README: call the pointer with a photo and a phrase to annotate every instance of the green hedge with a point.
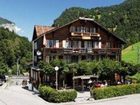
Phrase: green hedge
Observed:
(113, 91)
(57, 96)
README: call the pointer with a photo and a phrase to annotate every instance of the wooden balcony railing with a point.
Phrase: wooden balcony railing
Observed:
(84, 34)
(94, 51)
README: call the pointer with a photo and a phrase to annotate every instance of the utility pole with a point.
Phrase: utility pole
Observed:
(17, 70)
(17, 67)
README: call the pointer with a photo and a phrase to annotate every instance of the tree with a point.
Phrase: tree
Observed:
(3, 69)
(12, 47)
(46, 67)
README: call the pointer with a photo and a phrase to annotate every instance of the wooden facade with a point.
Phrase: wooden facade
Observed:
(81, 39)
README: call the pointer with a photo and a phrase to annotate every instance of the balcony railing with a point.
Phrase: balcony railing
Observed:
(94, 51)
(84, 34)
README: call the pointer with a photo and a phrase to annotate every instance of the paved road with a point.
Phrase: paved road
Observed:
(123, 100)
(16, 95)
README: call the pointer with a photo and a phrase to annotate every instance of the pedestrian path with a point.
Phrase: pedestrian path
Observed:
(83, 96)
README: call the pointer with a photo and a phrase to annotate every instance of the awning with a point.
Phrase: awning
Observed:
(85, 77)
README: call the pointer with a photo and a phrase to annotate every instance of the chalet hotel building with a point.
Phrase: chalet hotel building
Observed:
(81, 39)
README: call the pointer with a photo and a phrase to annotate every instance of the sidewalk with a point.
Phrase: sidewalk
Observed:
(83, 97)
(4, 85)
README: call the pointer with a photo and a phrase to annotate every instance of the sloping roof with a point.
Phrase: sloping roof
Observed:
(42, 29)
(88, 19)
(39, 30)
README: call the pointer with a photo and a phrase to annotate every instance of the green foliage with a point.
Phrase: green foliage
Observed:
(67, 15)
(3, 68)
(87, 67)
(135, 77)
(53, 95)
(108, 68)
(13, 47)
(131, 54)
(105, 68)
(45, 91)
(73, 67)
(113, 91)
(82, 68)
(46, 67)
(121, 19)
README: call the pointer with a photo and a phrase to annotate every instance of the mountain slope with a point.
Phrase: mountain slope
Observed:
(131, 54)
(13, 47)
(4, 21)
(123, 19)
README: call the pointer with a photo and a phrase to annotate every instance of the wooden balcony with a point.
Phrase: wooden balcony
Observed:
(84, 34)
(83, 51)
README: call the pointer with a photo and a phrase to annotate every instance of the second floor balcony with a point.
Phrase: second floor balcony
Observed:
(92, 51)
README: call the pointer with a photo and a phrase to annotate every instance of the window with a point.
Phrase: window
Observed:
(87, 29)
(35, 45)
(78, 29)
(74, 58)
(96, 44)
(72, 29)
(92, 30)
(57, 43)
(35, 58)
(65, 44)
(53, 43)
(87, 44)
(82, 29)
(108, 45)
(67, 58)
(76, 44)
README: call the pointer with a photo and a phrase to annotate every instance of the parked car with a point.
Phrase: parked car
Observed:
(3, 78)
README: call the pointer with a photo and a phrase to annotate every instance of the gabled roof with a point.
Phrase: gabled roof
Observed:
(39, 30)
(87, 19)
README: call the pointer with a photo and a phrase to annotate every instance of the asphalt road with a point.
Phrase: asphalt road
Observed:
(15, 95)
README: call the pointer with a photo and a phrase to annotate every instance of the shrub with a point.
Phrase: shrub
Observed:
(53, 95)
(113, 91)
(45, 91)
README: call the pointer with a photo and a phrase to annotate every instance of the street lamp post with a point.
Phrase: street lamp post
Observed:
(56, 69)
